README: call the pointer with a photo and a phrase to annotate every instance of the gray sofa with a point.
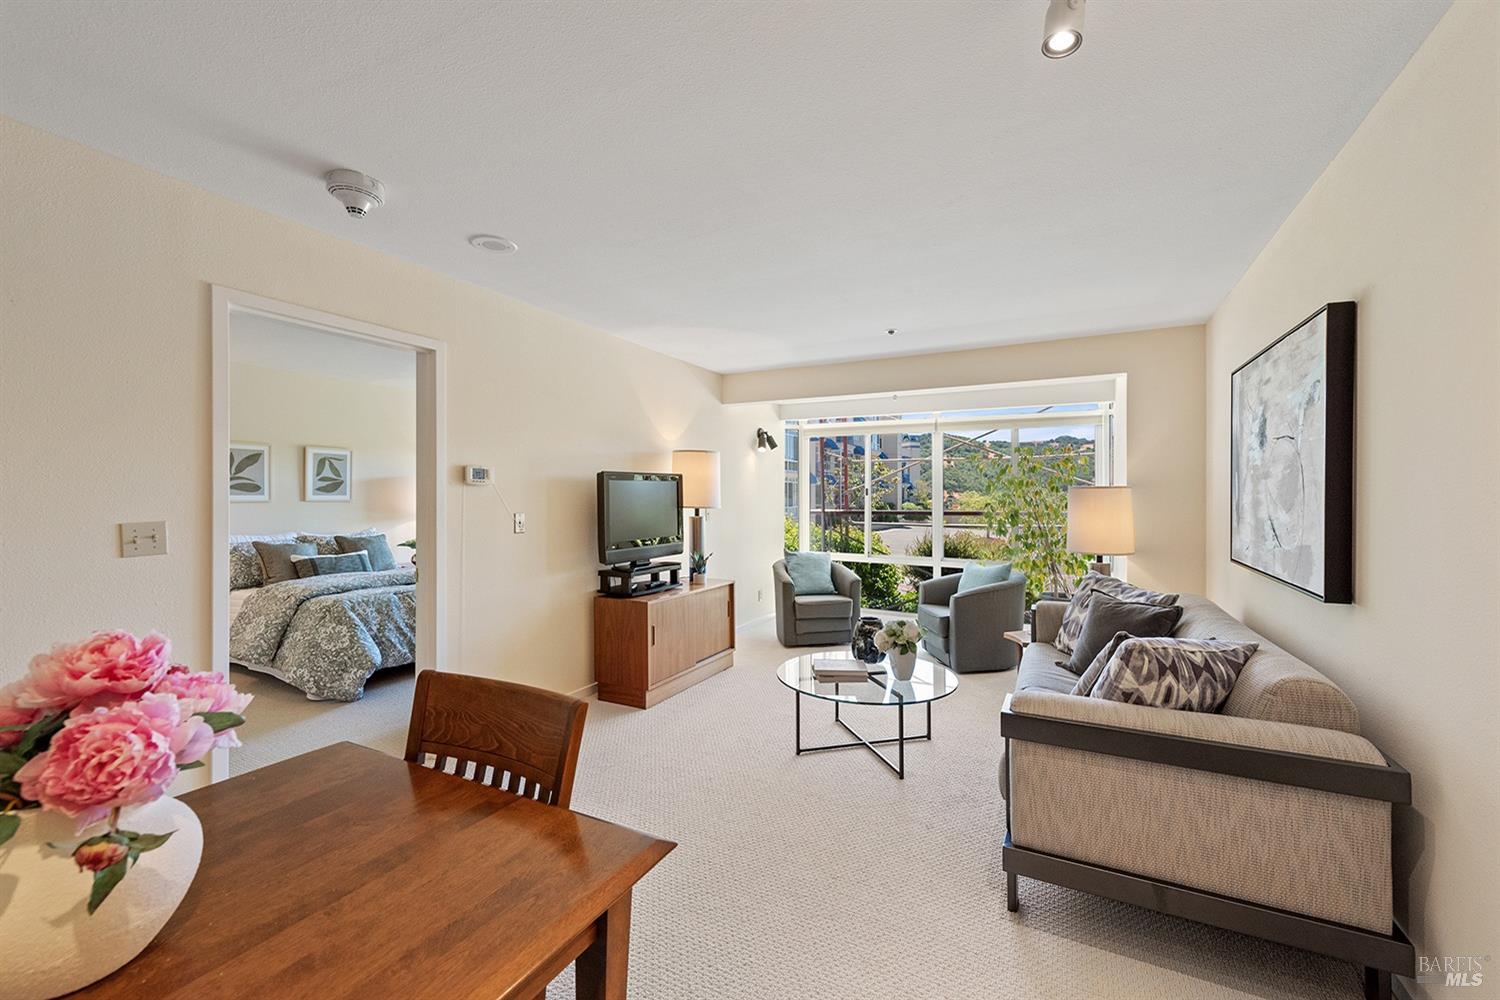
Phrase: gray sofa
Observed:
(967, 631)
(816, 620)
(1270, 817)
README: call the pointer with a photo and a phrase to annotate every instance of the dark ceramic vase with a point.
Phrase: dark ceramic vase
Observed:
(863, 645)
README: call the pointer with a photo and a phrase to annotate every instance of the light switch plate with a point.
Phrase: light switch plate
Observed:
(143, 538)
(519, 523)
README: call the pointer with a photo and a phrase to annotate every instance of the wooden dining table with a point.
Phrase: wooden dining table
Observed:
(349, 873)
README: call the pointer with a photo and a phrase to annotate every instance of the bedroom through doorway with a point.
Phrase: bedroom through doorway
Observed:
(327, 458)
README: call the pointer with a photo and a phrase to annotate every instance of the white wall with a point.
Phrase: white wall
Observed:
(105, 406)
(289, 410)
(1405, 221)
(1163, 427)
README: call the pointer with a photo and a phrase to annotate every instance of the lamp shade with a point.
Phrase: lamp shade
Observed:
(1100, 520)
(700, 477)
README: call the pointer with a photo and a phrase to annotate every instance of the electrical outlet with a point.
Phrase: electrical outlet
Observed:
(143, 538)
(519, 522)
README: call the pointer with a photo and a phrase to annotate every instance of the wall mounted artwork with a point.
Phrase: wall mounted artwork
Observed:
(249, 472)
(327, 474)
(1291, 476)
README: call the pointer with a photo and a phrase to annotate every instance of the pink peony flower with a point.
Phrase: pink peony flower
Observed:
(11, 714)
(205, 691)
(99, 670)
(114, 757)
(97, 857)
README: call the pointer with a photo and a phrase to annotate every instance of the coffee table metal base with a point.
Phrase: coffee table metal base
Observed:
(900, 739)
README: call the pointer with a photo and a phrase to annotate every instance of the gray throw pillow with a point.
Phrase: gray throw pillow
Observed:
(1108, 616)
(1191, 675)
(1085, 685)
(811, 573)
(976, 575)
(374, 546)
(1078, 607)
(349, 562)
(276, 558)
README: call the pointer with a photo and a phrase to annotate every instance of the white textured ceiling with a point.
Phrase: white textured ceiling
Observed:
(750, 184)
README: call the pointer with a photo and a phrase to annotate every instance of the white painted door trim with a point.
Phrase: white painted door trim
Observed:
(432, 464)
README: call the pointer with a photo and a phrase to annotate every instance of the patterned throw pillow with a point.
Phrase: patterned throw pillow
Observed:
(1192, 675)
(328, 545)
(1078, 607)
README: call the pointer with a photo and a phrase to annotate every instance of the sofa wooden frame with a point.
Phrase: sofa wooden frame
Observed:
(1380, 955)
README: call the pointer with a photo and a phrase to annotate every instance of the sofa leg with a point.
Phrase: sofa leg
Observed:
(1377, 984)
(1012, 897)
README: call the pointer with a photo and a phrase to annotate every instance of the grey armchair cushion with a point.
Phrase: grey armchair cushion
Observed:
(822, 606)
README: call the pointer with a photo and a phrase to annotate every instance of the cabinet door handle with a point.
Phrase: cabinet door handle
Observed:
(653, 635)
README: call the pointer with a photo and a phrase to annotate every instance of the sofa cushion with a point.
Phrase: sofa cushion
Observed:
(1078, 607)
(823, 606)
(811, 573)
(934, 618)
(1190, 675)
(1275, 685)
(1039, 670)
(976, 575)
(1108, 616)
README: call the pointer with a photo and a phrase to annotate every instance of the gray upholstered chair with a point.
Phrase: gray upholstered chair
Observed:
(820, 619)
(967, 631)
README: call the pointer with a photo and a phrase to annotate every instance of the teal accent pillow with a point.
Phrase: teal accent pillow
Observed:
(811, 573)
(348, 562)
(374, 546)
(978, 575)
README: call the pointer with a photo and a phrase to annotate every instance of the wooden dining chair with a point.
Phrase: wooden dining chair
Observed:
(520, 739)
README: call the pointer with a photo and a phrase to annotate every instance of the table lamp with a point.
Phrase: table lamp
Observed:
(700, 491)
(1100, 523)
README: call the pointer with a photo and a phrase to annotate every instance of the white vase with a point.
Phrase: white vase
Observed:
(902, 664)
(52, 944)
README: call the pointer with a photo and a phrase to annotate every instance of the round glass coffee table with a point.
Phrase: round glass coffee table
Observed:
(930, 681)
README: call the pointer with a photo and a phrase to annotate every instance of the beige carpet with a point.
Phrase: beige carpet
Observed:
(824, 877)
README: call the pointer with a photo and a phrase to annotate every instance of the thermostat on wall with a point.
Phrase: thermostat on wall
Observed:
(477, 475)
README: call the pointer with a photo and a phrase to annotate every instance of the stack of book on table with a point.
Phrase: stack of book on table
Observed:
(829, 671)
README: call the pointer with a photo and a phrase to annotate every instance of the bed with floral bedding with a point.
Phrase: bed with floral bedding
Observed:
(327, 634)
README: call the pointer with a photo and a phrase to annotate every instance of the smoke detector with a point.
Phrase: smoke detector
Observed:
(494, 244)
(360, 194)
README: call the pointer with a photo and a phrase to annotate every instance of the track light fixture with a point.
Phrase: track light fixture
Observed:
(763, 440)
(1062, 34)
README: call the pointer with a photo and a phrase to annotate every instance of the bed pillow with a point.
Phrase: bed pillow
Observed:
(1108, 616)
(1191, 675)
(276, 559)
(245, 569)
(348, 562)
(374, 546)
(328, 545)
(1078, 607)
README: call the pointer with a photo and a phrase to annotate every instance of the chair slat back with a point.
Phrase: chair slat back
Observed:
(516, 738)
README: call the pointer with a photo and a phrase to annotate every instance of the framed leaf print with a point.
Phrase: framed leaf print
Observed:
(249, 472)
(327, 474)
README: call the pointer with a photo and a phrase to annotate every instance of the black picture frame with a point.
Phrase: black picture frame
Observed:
(1338, 454)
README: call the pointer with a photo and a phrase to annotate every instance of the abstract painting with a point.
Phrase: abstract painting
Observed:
(327, 474)
(249, 472)
(1291, 476)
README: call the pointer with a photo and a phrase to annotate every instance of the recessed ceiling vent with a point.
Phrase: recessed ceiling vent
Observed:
(494, 244)
(360, 194)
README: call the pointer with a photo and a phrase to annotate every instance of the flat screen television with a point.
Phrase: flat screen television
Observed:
(640, 516)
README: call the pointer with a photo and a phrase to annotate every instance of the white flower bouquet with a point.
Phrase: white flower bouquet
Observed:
(902, 636)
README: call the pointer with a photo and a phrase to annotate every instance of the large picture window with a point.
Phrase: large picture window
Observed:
(900, 498)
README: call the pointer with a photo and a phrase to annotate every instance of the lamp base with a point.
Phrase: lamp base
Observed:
(694, 538)
(1102, 567)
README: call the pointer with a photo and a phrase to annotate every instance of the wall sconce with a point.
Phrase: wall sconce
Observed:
(763, 440)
